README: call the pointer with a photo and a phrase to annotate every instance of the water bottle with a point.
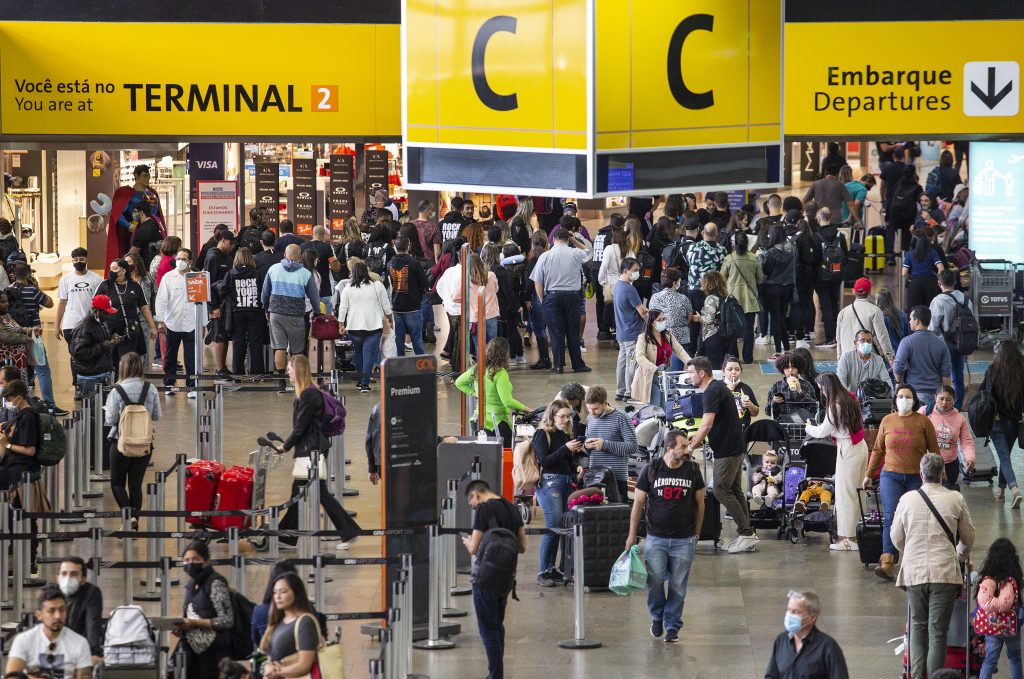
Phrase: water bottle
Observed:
(481, 436)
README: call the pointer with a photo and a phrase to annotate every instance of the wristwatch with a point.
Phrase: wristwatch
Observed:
(9, 446)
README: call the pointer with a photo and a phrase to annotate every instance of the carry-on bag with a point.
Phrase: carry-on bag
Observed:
(234, 491)
(605, 528)
(869, 529)
(201, 479)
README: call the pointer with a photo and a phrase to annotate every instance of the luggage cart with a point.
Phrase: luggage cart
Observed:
(792, 416)
(262, 460)
(992, 284)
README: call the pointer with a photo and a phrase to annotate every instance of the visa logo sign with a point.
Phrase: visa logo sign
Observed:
(206, 164)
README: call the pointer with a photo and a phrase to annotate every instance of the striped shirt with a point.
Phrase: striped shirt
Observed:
(619, 442)
(33, 298)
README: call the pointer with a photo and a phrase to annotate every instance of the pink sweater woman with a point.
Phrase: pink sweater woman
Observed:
(953, 432)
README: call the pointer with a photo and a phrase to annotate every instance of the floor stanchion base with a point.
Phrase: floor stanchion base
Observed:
(350, 492)
(453, 613)
(145, 596)
(461, 591)
(420, 631)
(92, 494)
(579, 644)
(98, 478)
(433, 645)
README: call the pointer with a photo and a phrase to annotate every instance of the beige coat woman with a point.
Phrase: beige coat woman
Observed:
(646, 354)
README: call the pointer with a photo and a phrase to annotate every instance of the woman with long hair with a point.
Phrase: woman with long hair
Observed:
(634, 236)
(147, 281)
(779, 264)
(897, 324)
(611, 260)
(364, 310)
(712, 345)
(1003, 381)
(165, 260)
(557, 452)
(904, 437)
(842, 421)
(921, 268)
(475, 235)
(999, 593)
(305, 437)
(208, 617)
(537, 323)
(480, 277)
(128, 471)
(508, 300)
(521, 226)
(350, 244)
(129, 300)
(804, 362)
(655, 348)
(246, 321)
(498, 399)
(293, 631)
(746, 402)
(743, 276)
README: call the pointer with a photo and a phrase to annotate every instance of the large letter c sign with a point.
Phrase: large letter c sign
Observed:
(490, 98)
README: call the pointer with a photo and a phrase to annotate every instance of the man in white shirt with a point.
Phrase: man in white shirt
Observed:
(176, 321)
(50, 647)
(74, 298)
(447, 284)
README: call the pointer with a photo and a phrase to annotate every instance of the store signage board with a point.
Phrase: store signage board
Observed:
(503, 78)
(375, 174)
(51, 86)
(341, 199)
(974, 89)
(996, 206)
(268, 192)
(217, 203)
(304, 195)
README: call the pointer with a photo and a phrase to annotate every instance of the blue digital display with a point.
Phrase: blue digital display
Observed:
(620, 178)
(996, 200)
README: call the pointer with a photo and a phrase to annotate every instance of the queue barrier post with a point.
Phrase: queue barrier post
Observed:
(181, 471)
(126, 551)
(313, 502)
(448, 609)
(86, 444)
(452, 585)
(28, 506)
(319, 587)
(272, 522)
(579, 641)
(19, 562)
(51, 483)
(386, 637)
(218, 422)
(165, 607)
(397, 596)
(237, 568)
(152, 545)
(97, 437)
(434, 641)
(70, 494)
(5, 602)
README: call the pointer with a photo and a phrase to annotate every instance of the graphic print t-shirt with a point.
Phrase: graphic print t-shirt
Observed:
(671, 508)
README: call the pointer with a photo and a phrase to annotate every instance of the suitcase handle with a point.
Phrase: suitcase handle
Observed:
(860, 504)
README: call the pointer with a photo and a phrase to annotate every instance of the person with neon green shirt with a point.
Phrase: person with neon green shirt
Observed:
(499, 402)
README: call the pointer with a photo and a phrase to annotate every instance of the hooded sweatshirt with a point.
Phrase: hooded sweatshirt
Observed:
(287, 287)
(951, 429)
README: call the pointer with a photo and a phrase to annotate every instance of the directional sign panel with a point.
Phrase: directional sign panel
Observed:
(974, 89)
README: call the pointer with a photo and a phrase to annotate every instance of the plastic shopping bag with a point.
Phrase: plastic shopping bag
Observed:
(388, 346)
(628, 573)
(39, 350)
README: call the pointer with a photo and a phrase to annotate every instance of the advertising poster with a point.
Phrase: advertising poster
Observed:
(996, 203)
(205, 162)
(268, 195)
(341, 200)
(216, 203)
(304, 195)
(376, 176)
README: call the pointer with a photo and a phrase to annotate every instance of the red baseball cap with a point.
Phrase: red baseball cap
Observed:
(862, 286)
(102, 302)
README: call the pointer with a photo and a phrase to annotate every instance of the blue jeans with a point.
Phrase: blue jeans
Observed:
(893, 486)
(668, 559)
(45, 382)
(956, 360)
(490, 621)
(677, 365)
(490, 332)
(537, 324)
(426, 311)
(993, 646)
(365, 354)
(657, 396)
(410, 322)
(552, 494)
(1004, 435)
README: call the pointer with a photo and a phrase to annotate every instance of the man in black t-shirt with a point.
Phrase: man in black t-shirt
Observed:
(670, 493)
(146, 238)
(721, 426)
(219, 260)
(492, 511)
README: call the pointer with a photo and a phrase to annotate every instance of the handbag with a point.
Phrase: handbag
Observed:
(300, 468)
(329, 663)
(325, 328)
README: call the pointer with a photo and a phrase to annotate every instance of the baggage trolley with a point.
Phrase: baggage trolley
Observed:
(262, 460)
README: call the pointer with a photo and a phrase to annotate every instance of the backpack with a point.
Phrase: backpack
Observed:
(525, 467)
(732, 320)
(377, 259)
(135, 426)
(333, 422)
(251, 239)
(53, 442)
(981, 412)
(129, 638)
(832, 261)
(241, 631)
(964, 332)
(903, 205)
(496, 560)
(674, 256)
(933, 184)
(647, 265)
(18, 308)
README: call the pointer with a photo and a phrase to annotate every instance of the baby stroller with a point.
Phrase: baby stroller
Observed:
(770, 432)
(818, 461)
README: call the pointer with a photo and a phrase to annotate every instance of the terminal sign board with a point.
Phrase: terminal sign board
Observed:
(996, 202)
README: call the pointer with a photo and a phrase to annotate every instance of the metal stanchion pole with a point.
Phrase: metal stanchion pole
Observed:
(52, 486)
(126, 551)
(319, 587)
(152, 547)
(218, 423)
(313, 501)
(236, 578)
(453, 588)
(386, 636)
(19, 563)
(305, 525)
(448, 608)
(433, 640)
(180, 472)
(397, 595)
(97, 437)
(5, 602)
(272, 523)
(165, 607)
(580, 640)
(86, 442)
(197, 369)
(71, 425)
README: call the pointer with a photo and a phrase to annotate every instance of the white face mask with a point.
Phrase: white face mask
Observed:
(180, 264)
(904, 404)
(660, 326)
(634, 275)
(68, 585)
(864, 348)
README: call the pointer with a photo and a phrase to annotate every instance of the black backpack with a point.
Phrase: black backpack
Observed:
(964, 332)
(832, 260)
(647, 266)
(981, 412)
(241, 631)
(674, 256)
(377, 259)
(250, 238)
(496, 560)
(731, 322)
(903, 205)
(19, 309)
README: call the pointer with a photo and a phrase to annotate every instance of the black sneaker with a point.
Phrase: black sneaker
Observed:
(545, 580)
(364, 389)
(541, 365)
(671, 636)
(605, 336)
(528, 341)
(556, 575)
(57, 411)
(657, 628)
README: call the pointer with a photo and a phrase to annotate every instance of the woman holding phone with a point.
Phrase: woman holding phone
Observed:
(557, 453)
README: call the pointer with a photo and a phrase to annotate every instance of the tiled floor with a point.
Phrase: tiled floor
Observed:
(734, 606)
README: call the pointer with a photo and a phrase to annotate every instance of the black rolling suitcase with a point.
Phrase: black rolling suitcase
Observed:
(711, 527)
(854, 268)
(869, 530)
(605, 528)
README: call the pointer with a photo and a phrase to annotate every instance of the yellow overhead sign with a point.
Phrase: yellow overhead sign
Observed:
(970, 86)
(222, 80)
(687, 73)
(496, 73)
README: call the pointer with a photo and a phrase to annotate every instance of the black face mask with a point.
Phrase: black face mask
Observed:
(114, 277)
(193, 570)
(80, 266)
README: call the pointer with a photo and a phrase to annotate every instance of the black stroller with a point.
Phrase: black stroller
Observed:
(818, 459)
(771, 432)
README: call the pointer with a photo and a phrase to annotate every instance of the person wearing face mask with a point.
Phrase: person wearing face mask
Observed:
(74, 294)
(746, 402)
(743, 274)
(176, 319)
(206, 624)
(670, 494)
(803, 650)
(629, 325)
(904, 437)
(132, 310)
(677, 310)
(863, 364)
(952, 432)
(84, 604)
(91, 342)
(654, 348)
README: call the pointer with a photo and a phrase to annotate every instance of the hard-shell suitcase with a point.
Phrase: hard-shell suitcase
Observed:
(605, 528)
(985, 468)
(869, 529)
(874, 251)
(711, 527)
(201, 478)
(854, 268)
(234, 491)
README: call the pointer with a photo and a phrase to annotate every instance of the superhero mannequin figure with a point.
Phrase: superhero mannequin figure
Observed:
(122, 222)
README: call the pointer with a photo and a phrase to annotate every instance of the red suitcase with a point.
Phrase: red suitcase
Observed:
(201, 480)
(233, 492)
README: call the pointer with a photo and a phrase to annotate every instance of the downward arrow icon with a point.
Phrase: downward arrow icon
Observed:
(991, 98)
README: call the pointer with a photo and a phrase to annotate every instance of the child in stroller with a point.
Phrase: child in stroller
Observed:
(767, 514)
(767, 479)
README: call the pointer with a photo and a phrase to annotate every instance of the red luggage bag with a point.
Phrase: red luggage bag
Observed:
(201, 480)
(233, 492)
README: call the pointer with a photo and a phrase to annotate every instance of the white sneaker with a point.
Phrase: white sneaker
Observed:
(762, 340)
(583, 349)
(346, 545)
(518, 361)
(803, 344)
(191, 394)
(744, 543)
(844, 546)
(827, 345)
